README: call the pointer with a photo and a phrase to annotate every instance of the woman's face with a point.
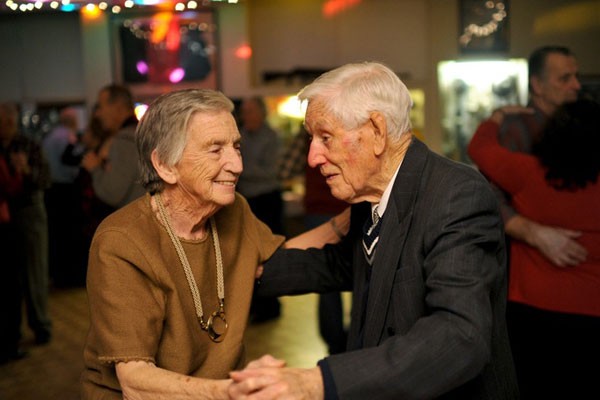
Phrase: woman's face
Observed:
(211, 162)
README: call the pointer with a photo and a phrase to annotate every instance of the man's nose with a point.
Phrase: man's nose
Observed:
(315, 155)
(576, 84)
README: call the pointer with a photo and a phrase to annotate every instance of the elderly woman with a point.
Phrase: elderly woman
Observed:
(171, 275)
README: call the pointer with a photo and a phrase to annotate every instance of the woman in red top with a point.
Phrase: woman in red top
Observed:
(557, 325)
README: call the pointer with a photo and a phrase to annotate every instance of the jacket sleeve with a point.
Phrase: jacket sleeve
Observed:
(113, 183)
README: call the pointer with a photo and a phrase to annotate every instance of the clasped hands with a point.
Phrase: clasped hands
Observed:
(558, 245)
(269, 378)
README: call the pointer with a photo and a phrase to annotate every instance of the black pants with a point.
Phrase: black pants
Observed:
(65, 239)
(331, 310)
(11, 295)
(556, 355)
(268, 208)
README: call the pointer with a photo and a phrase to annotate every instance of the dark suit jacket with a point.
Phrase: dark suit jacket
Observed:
(434, 319)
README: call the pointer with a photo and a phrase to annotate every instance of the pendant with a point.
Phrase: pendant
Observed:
(217, 326)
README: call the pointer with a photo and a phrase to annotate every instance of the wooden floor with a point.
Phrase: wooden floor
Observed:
(52, 371)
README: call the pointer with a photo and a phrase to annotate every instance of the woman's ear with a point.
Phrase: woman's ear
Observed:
(379, 126)
(167, 173)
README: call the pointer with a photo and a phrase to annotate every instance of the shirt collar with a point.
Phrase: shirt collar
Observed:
(382, 205)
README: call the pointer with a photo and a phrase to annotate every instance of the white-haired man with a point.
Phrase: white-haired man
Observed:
(424, 256)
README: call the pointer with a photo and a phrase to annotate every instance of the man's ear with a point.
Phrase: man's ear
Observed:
(379, 126)
(536, 85)
(167, 173)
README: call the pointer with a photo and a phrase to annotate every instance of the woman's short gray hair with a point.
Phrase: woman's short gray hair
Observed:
(164, 128)
(352, 91)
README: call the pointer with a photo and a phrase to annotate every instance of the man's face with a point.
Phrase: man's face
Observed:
(8, 124)
(251, 115)
(344, 157)
(559, 83)
(211, 162)
(107, 112)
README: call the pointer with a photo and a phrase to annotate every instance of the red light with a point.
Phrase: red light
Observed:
(244, 52)
(334, 7)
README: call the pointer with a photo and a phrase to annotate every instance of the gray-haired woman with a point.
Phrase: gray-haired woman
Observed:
(171, 275)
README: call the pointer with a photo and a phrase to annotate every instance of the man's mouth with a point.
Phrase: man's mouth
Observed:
(329, 176)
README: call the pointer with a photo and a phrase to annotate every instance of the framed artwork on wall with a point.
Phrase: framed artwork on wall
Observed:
(483, 26)
(159, 51)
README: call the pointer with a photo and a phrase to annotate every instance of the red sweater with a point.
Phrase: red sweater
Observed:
(533, 279)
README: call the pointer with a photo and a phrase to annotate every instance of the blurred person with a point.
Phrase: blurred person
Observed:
(261, 151)
(553, 81)
(116, 179)
(97, 141)
(424, 256)
(319, 207)
(25, 267)
(555, 339)
(10, 284)
(90, 209)
(56, 142)
(62, 200)
(171, 275)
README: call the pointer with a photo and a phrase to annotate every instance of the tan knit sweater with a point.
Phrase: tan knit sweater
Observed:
(141, 307)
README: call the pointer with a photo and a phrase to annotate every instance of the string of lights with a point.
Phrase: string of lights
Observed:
(497, 13)
(97, 6)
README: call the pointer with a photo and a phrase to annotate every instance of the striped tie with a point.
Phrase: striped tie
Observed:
(371, 235)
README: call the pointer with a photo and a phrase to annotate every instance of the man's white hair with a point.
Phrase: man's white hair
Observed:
(352, 91)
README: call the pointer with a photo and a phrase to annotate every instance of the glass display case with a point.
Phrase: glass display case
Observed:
(470, 91)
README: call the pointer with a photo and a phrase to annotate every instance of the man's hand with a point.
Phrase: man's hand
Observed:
(499, 113)
(265, 383)
(259, 271)
(20, 162)
(265, 362)
(91, 161)
(556, 244)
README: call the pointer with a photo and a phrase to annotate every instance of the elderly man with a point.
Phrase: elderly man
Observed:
(424, 256)
(116, 179)
(25, 239)
(259, 184)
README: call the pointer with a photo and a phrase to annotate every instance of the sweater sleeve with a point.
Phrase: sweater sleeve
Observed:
(503, 167)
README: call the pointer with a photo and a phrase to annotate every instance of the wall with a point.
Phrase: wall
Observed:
(412, 36)
(301, 36)
(45, 59)
(533, 23)
(41, 58)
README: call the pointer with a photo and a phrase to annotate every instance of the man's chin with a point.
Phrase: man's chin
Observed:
(340, 195)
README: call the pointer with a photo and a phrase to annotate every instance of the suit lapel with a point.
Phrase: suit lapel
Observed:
(395, 225)
(359, 214)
